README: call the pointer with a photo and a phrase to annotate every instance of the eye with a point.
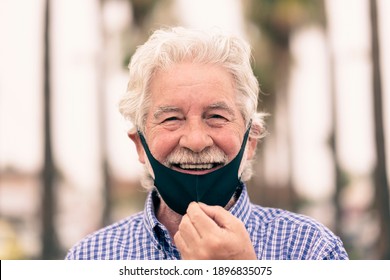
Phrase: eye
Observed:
(215, 116)
(171, 119)
(216, 120)
(171, 122)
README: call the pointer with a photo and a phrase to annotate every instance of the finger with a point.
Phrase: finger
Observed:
(219, 215)
(201, 222)
(180, 243)
(188, 232)
(185, 251)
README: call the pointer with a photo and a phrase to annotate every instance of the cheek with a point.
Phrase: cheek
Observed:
(162, 145)
(230, 146)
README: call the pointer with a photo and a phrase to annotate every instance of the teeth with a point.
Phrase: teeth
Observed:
(196, 166)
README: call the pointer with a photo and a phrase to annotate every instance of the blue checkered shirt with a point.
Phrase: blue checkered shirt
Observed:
(276, 235)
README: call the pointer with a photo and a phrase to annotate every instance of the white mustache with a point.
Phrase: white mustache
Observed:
(185, 156)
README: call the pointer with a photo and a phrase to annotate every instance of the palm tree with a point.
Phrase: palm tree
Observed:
(141, 11)
(50, 248)
(276, 21)
(380, 175)
(339, 180)
(106, 176)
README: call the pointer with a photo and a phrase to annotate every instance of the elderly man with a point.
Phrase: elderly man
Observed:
(192, 98)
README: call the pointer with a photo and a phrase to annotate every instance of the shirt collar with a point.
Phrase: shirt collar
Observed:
(242, 208)
(150, 219)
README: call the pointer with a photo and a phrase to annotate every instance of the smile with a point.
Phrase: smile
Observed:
(196, 166)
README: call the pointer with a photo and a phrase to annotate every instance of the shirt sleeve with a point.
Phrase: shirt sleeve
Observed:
(329, 248)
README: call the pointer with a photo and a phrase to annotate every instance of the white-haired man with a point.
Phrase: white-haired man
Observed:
(192, 98)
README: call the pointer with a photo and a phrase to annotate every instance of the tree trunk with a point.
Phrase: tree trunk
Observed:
(107, 207)
(50, 247)
(380, 175)
(338, 178)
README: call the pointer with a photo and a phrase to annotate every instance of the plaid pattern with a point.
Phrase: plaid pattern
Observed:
(276, 235)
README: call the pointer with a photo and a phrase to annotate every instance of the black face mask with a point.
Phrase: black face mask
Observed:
(179, 189)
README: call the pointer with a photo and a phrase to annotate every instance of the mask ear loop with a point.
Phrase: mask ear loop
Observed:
(249, 125)
(246, 137)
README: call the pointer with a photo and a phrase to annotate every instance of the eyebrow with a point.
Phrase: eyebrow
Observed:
(221, 106)
(165, 109)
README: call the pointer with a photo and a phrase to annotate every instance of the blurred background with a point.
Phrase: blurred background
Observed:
(67, 167)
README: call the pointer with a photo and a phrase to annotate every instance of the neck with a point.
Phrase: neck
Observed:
(169, 218)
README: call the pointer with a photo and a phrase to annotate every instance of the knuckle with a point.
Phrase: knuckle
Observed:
(195, 217)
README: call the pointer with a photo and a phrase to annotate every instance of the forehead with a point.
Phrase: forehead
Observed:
(192, 82)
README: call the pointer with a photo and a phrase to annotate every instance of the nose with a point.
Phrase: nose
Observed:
(195, 137)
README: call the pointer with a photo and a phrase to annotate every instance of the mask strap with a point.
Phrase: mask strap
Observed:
(249, 124)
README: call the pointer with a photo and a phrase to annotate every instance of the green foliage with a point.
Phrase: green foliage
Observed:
(278, 18)
(141, 10)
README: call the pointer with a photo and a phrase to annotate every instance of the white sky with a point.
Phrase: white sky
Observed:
(224, 14)
(20, 81)
(351, 43)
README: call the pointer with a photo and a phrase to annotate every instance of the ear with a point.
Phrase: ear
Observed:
(137, 141)
(251, 148)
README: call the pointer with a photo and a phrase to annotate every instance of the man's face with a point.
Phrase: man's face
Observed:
(193, 124)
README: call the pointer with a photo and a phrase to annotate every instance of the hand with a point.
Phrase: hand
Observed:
(211, 232)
